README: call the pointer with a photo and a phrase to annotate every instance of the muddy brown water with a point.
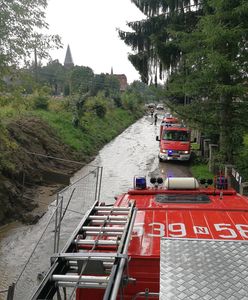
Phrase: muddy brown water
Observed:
(132, 153)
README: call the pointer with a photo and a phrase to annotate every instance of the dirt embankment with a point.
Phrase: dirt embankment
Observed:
(28, 173)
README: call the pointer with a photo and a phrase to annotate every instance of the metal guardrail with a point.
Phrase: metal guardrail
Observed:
(236, 179)
(58, 223)
(65, 197)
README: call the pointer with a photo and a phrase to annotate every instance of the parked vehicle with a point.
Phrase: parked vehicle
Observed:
(151, 105)
(168, 120)
(160, 107)
(174, 142)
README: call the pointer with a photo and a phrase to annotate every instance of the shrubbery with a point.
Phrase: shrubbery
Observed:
(41, 102)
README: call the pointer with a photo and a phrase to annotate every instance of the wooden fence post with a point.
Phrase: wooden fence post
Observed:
(211, 162)
(206, 143)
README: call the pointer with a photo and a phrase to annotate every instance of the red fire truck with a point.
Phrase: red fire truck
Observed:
(176, 239)
(174, 142)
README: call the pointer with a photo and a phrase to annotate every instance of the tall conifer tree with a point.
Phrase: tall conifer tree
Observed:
(201, 48)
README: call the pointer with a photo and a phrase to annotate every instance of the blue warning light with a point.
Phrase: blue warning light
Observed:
(140, 183)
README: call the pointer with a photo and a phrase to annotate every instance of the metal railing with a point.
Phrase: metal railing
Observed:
(65, 198)
(236, 180)
(57, 225)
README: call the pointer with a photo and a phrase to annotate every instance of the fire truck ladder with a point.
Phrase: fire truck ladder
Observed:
(95, 256)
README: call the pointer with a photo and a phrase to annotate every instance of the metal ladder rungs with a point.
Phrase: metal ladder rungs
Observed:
(104, 257)
(82, 285)
(107, 217)
(73, 263)
(112, 222)
(82, 278)
(82, 255)
(106, 233)
(80, 242)
(102, 229)
(106, 263)
(112, 208)
(108, 213)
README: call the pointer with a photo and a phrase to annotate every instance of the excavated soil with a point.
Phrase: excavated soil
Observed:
(30, 174)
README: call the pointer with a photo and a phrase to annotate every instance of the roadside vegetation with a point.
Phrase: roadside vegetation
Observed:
(200, 49)
(73, 127)
(200, 171)
(69, 113)
(51, 109)
(92, 131)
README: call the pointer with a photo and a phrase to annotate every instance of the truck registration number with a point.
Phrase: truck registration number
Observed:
(220, 230)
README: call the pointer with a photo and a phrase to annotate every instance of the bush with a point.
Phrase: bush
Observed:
(100, 109)
(98, 105)
(201, 171)
(117, 101)
(41, 102)
(130, 102)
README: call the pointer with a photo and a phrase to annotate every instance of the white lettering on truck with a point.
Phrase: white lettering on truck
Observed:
(223, 230)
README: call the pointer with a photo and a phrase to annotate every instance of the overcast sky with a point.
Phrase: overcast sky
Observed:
(89, 27)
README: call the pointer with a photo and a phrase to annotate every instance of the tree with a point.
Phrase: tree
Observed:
(214, 71)
(81, 79)
(111, 86)
(55, 75)
(142, 92)
(19, 26)
(107, 83)
(157, 54)
(97, 84)
(203, 53)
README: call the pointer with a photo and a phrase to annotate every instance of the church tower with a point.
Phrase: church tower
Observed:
(68, 63)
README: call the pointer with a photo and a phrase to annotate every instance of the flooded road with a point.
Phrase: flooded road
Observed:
(133, 153)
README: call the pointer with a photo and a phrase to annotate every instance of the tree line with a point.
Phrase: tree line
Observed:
(198, 49)
(22, 48)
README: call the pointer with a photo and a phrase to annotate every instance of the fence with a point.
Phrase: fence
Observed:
(52, 231)
(236, 180)
(208, 151)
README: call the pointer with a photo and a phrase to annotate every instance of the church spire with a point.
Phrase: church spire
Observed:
(68, 63)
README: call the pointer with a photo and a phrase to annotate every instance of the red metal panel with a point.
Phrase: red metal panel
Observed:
(225, 217)
(175, 145)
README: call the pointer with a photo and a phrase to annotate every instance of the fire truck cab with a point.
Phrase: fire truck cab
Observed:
(174, 142)
(169, 120)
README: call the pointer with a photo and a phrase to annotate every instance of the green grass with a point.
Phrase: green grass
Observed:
(241, 160)
(61, 122)
(14, 106)
(246, 141)
(93, 132)
(201, 171)
(7, 112)
(195, 146)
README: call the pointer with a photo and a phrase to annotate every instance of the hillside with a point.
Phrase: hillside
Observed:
(48, 133)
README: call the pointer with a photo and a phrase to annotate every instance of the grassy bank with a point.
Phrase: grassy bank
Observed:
(240, 163)
(92, 133)
(53, 132)
(201, 171)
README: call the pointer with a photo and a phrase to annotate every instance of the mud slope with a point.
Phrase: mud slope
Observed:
(30, 135)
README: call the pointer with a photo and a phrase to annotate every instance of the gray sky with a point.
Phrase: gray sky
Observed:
(89, 27)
